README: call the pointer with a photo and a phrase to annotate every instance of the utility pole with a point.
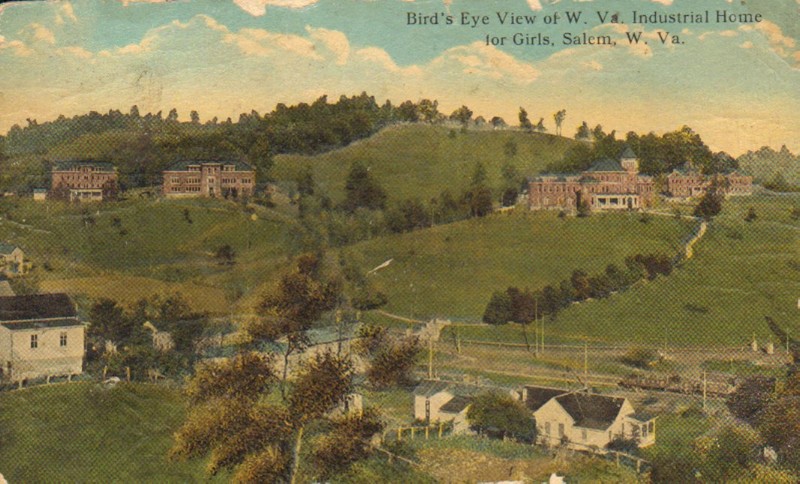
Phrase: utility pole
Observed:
(704, 390)
(430, 358)
(586, 362)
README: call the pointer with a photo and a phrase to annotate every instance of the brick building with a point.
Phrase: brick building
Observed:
(689, 183)
(209, 179)
(84, 181)
(607, 185)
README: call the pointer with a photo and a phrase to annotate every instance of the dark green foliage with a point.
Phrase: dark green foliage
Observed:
(225, 255)
(750, 397)
(462, 115)
(347, 442)
(393, 364)
(362, 190)
(245, 376)
(778, 183)
(524, 122)
(710, 205)
(498, 311)
(500, 413)
(751, 215)
(408, 215)
(583, 132)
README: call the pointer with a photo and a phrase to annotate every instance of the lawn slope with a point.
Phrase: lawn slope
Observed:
(419, 161)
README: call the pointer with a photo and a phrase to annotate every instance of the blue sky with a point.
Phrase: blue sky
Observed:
(737, 84)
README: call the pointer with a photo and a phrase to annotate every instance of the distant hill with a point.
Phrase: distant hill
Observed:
(421, 160)
(766, 163)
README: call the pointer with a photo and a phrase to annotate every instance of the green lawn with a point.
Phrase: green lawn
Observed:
(741, 272)
(419, 161)
(82, 432)
(451, 271)
(153, 241)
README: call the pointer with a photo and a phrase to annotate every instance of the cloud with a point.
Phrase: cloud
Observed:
(65, 12)
(257, 8)
(479, 59)
(334, 41)
(42, 33)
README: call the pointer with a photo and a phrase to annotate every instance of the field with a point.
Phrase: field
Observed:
(139, 247)
(451, 271)
(419, 161)
(92, 434)
(740, 273)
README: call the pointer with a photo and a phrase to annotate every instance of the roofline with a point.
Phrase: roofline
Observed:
(11, 321)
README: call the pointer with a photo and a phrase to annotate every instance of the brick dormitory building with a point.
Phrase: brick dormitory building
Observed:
(607, 185)
(209, 179)
(84, 181)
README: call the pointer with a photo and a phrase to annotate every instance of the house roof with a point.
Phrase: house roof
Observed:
(183, 165)
(641, 417)
(538, 396)
(627, 153)
(36, 307)
(456, 404)
(50, 323)
(605, 164)
(6, 249)
(591, 410)
(72, 164)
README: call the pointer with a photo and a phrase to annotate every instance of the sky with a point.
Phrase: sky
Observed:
(736, 83)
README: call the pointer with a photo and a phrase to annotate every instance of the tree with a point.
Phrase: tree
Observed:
(225, 255)
(463, 115)
(751, 215)
(173, 115)
(299, 300)
(559, 117)
(232, 420)
(195, 116)
(134, 112)
(751, 397)
(428, 110)
(524, 122)
(540, 126)
(479, 196)
(498, 122)
(391, 358)
(498, 310)
(362, 190)
(710, 204)
(499, 412)
(107, 321)
(583, 132)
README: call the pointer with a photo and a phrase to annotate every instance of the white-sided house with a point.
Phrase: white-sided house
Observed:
(12, 260)
(40, 336)
(584, 420)
(438, 401)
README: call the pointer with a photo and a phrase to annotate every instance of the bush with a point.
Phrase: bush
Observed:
(640, 358)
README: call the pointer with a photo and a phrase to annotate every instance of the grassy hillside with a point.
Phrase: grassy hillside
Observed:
(452, 270)
(83, 432)
(139, 247)
(419, 161)
(741, 272)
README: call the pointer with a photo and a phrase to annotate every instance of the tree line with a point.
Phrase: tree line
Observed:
(367, 210)
(524, 306)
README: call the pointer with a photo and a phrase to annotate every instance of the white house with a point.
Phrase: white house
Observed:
(12, 260)
(40, 336)
(438, 401)
(582, 420)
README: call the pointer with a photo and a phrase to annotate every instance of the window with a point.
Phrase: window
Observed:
(561, 430)
(34, 341)
(547, 428)
(62, 339)
(427, 410)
